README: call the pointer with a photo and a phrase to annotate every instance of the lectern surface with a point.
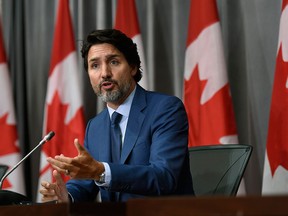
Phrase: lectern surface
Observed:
(209, 206)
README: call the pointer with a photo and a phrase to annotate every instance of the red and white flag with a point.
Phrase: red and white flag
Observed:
(275, 176)
(9, 147)
(206, 89)
(127, 22)
(64, 108)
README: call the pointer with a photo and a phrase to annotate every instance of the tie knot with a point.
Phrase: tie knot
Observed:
(116, 118)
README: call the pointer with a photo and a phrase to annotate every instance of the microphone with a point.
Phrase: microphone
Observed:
(44, 140)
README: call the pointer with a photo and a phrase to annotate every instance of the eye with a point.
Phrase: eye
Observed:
(94, 66)
(114, 62)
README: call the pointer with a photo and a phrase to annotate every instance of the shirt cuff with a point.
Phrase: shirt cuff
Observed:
(107, 176)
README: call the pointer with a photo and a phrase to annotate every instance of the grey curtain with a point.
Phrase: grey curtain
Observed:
(250, 35)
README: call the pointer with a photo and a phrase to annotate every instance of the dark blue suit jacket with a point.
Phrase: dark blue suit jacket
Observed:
(154, 158)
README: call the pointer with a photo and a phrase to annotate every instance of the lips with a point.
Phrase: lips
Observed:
(107, 85)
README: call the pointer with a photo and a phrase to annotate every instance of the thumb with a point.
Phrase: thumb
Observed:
(79, 147)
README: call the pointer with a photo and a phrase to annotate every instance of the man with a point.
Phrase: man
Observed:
(151, 158)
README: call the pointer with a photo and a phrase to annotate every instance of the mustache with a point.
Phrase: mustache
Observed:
(108, 80)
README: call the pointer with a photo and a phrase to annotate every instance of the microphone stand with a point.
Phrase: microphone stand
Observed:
(16, 195)
(44, 140)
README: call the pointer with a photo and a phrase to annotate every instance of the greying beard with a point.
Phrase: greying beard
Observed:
(116, 95)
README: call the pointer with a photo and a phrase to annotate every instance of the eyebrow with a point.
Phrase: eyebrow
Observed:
(106, 57)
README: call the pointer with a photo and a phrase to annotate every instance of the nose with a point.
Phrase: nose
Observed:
(106, 71)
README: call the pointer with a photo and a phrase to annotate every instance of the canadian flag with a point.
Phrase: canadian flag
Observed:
(127, 22)
(275, 175)
(63, 109)
(206, 89)
(9, 148)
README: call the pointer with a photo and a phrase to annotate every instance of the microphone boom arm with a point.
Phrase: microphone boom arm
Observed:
(44, 140)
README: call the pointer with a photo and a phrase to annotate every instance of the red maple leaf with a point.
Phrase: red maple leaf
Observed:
(210, 121)
(277, 146)
(63, 142)
(8, 134)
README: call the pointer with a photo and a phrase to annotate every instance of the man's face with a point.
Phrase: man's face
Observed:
(110, 74)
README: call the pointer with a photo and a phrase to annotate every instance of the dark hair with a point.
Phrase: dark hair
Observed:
(118, 39)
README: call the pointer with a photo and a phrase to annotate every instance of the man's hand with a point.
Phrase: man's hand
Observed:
(82, 166)
(54, 191)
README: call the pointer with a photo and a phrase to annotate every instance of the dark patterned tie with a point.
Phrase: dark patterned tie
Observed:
(116, 137)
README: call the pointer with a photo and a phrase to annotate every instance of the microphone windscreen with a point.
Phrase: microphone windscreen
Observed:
(50, 135)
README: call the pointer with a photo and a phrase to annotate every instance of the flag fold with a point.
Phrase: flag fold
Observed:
(63, 107)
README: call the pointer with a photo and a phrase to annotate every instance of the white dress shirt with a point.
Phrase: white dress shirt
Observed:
(124, 110)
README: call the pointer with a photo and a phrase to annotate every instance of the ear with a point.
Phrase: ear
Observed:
(133, 70)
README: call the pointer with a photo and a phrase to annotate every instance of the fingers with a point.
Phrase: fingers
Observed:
(71, 166)
(62, 158)
(45, 184)
(48, 186)
(58, 160)
(58, 164)
(49, 198)
(48, 192)
(54, 191)
(61, 163)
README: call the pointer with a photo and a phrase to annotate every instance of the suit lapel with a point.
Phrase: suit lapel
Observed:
(103, 137)
(135, 121)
